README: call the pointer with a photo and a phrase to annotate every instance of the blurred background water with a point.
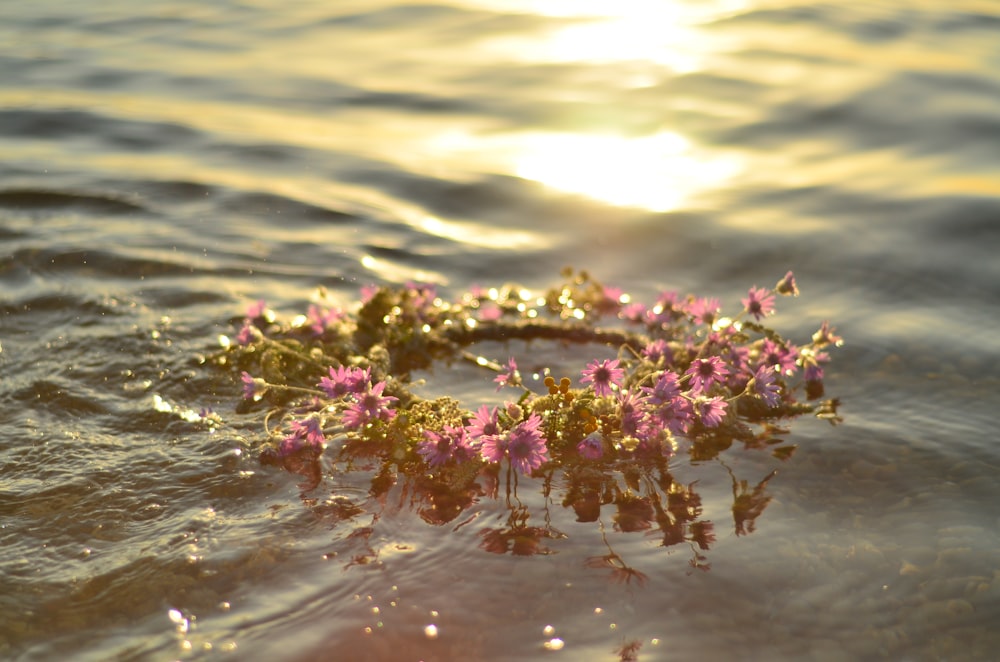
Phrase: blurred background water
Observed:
(165, 163)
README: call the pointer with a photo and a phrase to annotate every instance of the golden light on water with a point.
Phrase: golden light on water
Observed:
(593, 137)
(644, 42)
(656, 31)
(657, 172)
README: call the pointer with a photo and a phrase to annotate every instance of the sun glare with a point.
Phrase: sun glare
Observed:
(632, 43)
(662, 32)
(658, 172)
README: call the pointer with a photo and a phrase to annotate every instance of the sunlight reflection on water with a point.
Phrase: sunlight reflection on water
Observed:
(658, 172)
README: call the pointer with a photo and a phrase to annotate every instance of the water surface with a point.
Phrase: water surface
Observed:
(166, 164)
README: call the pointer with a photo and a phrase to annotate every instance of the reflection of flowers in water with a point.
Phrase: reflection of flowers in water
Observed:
(441, 504)
(522, 541)
(634, 514)
(748, 504)
(620, 572)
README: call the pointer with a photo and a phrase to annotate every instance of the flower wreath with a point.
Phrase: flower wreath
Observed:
(685, 376)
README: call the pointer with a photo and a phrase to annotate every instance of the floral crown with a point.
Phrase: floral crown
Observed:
(685, 378)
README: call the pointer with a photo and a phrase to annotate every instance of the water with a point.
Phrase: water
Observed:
(166, 163)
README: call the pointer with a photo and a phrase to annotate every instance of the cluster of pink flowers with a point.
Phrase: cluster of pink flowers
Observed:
(693, 373)
(483, 438)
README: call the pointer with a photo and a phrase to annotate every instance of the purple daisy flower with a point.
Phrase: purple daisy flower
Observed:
(509, 375)
(438, 448)
(658, 349)
(484, 423)
(304, 433)
(764, 385)
(592, 447)
(526, 446)
(704, 310)
(523, 444)
(631, 410)
(251, 387)
(705, 372)
(343, 381)
(711, 411)
(782, 358)
(674, 415)
(368, 406)
(633, 311)
(759, 302)
(667, 388)
(321, 319)
(493, 447)
(359, 379)
(338, 384)
(668, 308)
(605, 375)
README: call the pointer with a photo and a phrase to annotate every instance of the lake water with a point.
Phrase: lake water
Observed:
(164, 164)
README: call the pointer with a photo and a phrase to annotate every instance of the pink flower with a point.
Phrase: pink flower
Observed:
(704, 310)
(787, 286)
(631, 410)
(369, 406)
(509, 375)
(658, 349)
(765, 387)
(605, 375)
(248, 334)
(675, 415)
(490, 312)
(493, 447)
(759, 302)
(450, 444)
(782, 357)
(252, 387)
(306, 432)
(257, 309)
(320, 319)
(634, 311)
(484, 423)
(705, 372)
(667, 388)
(669, 307)
(711, 411)
(343, 381)
(524, 445)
